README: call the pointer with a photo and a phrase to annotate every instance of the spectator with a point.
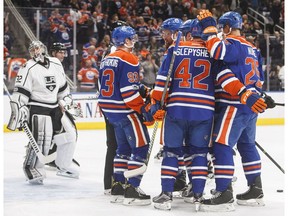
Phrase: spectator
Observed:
(144, 51)
(88, 77)
(63, 35)
(84, 24)
(277, 49)
(276, 11)
(161, 10)
(150, 69)
(142, 31)
(257, 29)
(281, 76)
(8, 39)
(90, 54)
(92, 42)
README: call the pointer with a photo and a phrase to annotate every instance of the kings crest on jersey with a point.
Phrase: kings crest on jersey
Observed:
(52, 76)
(119, 91)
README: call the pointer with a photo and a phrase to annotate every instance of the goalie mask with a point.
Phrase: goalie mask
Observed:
(37, 51)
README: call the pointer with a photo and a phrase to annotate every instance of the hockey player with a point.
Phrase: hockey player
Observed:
(40, 85)
(169, 29)
(189, 112)
(238, 102)
(125, 109)
(110, 135)
(59, 51)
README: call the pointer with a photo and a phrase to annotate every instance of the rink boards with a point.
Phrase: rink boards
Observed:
(93, 118)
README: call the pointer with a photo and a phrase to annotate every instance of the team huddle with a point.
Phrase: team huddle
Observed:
(208, 94)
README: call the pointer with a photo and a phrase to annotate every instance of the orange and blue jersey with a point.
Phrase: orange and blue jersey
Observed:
(245, 64)
(119, 80)
(191, 88)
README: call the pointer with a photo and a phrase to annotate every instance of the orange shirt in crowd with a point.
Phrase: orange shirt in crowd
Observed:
(88, 77)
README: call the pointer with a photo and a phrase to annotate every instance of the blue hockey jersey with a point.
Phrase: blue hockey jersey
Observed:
(191, 90)
(245, 62)
(119, 85)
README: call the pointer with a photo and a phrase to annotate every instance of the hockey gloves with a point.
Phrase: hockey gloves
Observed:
(144, 91)
(147, 116)
(156, 110)
(268, 100)
(253, 100)
(208, 24)
(71, 107)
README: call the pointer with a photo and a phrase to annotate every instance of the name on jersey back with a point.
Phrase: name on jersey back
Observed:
(109, 63)
(192, 51)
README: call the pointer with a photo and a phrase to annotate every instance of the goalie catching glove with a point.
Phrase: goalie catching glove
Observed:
(253, 100)
(208, 24)
(73, 108)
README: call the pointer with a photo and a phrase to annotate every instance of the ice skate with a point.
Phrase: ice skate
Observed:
(51, 165)
(253, 196)
(107, 192)
(193, 198)
(135, 196)
(220, 201)
(117, 192)
(69, 173)
(163, 201)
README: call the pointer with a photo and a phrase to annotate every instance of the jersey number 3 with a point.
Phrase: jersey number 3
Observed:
(109, 83)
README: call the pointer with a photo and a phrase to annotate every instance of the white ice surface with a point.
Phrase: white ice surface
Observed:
(60, 196)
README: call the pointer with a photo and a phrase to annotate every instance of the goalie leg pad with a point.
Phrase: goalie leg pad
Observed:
(42, 131)
(66, 143)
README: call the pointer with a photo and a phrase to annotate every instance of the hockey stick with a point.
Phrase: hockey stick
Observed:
(264, 152)
(88, 98)
(143, 168)
(279, 104)
(43, 159)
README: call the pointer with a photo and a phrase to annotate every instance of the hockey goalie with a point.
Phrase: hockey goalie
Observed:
(40, 87)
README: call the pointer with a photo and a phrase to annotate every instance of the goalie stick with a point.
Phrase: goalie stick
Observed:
(143, 168)
(43, 159)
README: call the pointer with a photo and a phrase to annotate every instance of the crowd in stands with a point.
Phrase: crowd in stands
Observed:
(96, 19)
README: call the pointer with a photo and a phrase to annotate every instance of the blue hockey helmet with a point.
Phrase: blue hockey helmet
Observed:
(232, 19)
(186, 26)
(172, 24)
(193, 26)
(120, 33)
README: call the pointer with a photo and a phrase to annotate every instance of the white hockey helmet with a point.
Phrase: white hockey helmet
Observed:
(37, 50)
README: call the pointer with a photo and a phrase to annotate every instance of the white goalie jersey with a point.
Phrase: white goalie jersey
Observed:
(40, 85)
